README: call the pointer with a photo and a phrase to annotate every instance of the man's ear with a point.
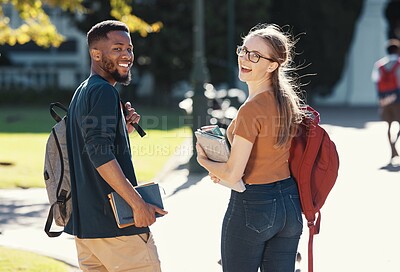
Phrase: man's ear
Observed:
(95, 54)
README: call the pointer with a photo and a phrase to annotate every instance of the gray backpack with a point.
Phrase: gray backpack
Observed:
(56, 173)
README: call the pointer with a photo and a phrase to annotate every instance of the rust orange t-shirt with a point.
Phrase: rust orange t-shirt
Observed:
(257, 121)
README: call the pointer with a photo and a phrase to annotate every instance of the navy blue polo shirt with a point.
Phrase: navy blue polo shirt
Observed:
(96, 134)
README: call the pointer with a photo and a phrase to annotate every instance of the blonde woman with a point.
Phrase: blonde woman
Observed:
(262, 225)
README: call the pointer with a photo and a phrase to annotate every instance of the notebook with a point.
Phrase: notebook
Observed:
(150, 192)
(216, 147)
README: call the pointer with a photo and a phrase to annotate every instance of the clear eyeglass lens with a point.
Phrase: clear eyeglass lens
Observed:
(240, 51)
(253, 57)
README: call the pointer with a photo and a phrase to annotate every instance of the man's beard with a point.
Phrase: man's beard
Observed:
(124, 80)
(110, 67)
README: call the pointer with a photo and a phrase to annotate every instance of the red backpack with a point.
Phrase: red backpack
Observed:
(388, 79)
(314, 164)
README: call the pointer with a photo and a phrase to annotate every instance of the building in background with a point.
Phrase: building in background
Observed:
(65, 67)
(355, 86)
(35, 67)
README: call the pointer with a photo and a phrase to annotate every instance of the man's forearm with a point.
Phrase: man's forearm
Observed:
(112, 173)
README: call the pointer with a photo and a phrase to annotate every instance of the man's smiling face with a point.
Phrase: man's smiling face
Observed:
(116, 57)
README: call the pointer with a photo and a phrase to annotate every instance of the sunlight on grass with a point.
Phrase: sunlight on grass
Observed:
(21, 160)
(12, 260)
(152, 152)
(22, 155)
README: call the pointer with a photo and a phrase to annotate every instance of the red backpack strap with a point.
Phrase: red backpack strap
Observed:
(397, 64)
(314, 140)
(394, 67)
(312, 230)
(392, 70)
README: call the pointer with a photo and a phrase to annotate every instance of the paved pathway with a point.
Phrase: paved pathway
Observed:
(360, 220)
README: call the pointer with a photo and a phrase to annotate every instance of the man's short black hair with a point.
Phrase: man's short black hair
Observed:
(100, 30)
(393, 46)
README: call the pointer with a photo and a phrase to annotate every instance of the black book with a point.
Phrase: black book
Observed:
(123, 213)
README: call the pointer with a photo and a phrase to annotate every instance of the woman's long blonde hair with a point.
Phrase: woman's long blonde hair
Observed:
(284, 79)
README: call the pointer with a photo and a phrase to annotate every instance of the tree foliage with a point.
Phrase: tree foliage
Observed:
(324, 28)
(38, 27)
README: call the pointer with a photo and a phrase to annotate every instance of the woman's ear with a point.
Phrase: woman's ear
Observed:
(95, 54)
(272, 67)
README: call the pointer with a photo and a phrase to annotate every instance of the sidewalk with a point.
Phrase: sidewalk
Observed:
(360, 220)
(193, 201)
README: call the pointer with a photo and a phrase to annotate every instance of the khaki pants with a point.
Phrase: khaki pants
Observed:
(136, 253)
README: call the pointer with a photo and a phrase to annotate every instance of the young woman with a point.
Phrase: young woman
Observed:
(262, 225)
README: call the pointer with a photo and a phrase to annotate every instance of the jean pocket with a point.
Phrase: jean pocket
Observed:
(295, 200)
(260, 214)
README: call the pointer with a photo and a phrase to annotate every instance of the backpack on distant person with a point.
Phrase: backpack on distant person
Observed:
(56, 173)
(314, 164)
(388, 79)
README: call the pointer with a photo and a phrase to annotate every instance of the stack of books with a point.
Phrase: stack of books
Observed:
(216, 147)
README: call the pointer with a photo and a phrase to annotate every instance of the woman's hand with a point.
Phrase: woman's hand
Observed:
(201, 155)
(214, 178)
(131, 117)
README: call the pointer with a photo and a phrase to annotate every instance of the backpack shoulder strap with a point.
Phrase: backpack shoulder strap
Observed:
(314, 140)
(394, 68)
(137, 127)
(54, 113)
(49, 222)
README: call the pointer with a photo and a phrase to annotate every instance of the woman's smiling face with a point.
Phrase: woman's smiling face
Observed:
(248, 70)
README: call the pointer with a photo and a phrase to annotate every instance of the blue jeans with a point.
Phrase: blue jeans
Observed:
(262, 228)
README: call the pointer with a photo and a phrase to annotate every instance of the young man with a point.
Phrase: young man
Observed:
(100, 161)
(386, 75)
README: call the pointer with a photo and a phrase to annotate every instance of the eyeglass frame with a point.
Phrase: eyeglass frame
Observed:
(247, 52)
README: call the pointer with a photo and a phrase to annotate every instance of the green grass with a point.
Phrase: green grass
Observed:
(12, 260)
(21, 160)
(38, 119)
(23, 136)
(24, 132)
(152, 152)
(21, 119)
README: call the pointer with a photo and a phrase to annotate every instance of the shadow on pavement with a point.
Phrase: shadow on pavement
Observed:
(391, 168)
(191, 179)
(21, 213)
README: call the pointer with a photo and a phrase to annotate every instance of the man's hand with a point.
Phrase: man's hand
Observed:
(131, 117)
(145, 214)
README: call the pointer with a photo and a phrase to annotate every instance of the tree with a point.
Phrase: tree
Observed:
(168, 54)
(37, 26)
(323, 44)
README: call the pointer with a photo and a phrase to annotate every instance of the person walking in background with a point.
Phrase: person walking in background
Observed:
(386, 75)
(262, 226)
(100, 161)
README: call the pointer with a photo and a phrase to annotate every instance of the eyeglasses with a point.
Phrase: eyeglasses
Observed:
(251, 55)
